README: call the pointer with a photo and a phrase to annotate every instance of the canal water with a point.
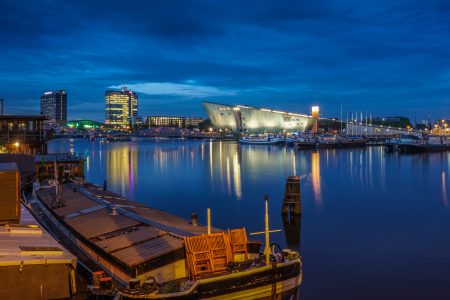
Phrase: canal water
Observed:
(375, 225)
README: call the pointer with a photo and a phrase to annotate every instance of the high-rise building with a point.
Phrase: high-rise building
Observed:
(54, 107)
(120, 106)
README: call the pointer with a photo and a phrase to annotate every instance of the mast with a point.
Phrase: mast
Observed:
(352, 122)
(346, 125)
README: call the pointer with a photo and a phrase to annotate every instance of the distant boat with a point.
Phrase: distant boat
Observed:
(433, 144)
(305, 142)
(328, 140)
(291, 139)
(262, 140)
(417, 144)
(351, 141)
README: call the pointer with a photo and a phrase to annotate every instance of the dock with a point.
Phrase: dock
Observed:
(33, 265)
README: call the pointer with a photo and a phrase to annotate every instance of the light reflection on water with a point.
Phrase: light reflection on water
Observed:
(369, 217)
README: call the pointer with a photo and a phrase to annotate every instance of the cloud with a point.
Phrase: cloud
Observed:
(189, 89)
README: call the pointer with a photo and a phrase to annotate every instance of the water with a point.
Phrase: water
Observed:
(375, 225)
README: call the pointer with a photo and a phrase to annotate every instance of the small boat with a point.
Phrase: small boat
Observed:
(351, 141)
(262, 140)
(291, 139)
(418, 144)
(328, 140)
(306, 142)
(119, 138)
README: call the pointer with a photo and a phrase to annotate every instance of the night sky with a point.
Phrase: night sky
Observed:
(387, 57)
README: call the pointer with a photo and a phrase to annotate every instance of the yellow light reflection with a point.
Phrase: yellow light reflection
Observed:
(122, 168)
(315, 175)
(228, 176)
(444, 189)
(237, 175)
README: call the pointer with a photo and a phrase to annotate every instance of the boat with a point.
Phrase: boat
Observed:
(418, 144)
(351, 141)
(328, 140)
(122, 137)
(291, 139)
(146, 253)
(262, 140)
(306, 142)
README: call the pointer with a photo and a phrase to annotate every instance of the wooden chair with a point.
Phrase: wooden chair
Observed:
(238, 240)
(219, 246)
(198, 255)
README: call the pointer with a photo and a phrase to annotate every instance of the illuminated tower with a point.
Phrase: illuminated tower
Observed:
(120, 107)
(315, 115)
(54, 107)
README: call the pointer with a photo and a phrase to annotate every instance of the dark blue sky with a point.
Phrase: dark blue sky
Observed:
(388, 57)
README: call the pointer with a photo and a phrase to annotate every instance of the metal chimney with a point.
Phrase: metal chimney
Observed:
(1, 107)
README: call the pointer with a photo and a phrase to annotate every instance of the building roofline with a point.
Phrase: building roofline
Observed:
(260, 108)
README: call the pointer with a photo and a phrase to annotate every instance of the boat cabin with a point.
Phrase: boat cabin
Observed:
(70, 165)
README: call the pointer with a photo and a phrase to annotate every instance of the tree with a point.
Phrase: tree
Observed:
(205, 125)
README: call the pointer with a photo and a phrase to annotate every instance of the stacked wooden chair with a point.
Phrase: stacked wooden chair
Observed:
(211, 253)
(221, 255)
(238, 240)
(198, 255)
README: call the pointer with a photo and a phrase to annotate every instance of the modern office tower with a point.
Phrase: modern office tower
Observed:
(54, 107)
(173, 121)
(120, 106)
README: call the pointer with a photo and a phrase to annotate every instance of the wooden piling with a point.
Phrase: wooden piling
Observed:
(292, 203)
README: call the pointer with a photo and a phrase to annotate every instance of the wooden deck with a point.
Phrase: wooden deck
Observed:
(125, 230)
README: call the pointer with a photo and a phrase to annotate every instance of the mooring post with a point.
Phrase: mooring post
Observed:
(292, 202)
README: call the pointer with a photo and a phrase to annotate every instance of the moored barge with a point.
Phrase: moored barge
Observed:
(150, 254)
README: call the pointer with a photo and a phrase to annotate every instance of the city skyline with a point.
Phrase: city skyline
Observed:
(389, 59)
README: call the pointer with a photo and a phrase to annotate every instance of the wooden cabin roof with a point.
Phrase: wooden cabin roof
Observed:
(126, 230)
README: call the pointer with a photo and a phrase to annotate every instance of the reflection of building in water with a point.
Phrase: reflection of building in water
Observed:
(121, 169)
(444, 189)
(224, 162)
(315, 175)
(237, 175)
(292, 230)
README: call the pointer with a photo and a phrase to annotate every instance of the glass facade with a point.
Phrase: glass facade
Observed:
(172, 121)
(254, 120)
(54, 107)
(120, 106)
